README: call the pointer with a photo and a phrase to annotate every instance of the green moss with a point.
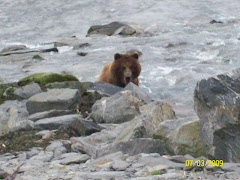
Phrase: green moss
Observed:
(45, 78)
(8, 90)
(154, 173)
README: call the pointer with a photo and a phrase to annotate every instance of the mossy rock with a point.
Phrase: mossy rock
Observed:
(6, 92)
(45, 78)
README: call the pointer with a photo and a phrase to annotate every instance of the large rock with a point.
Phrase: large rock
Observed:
(59, 99)
(27, 91)
(13, 116)
(217, 104)
(119, 108)
(75, 122)
(137, 134)
(115, 28)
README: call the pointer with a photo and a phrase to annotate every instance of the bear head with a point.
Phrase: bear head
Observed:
(125, 68)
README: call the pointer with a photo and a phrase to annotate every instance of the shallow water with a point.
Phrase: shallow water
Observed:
(170, 74)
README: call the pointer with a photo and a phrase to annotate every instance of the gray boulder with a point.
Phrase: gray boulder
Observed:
(115, 28)
(217, 104)
(13, 116)
(119, 108)
(59, 99)
(27, 91)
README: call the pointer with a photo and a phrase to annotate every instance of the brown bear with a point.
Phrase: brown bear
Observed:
(123, 69)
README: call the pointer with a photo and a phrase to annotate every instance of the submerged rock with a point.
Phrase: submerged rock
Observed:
(118, 108)
(114, 28)
(14, 48)
(217, 104)
(45, 78)
(59, 99)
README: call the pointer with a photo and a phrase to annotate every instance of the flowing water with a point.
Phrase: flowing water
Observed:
(169, 72)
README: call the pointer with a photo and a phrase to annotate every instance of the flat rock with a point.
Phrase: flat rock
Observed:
(27, 91)
(119, 165)
(14, 48)
(75, 122)
(59, 99)
(74, 159)
(49, 114)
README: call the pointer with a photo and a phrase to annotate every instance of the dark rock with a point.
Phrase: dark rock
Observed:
(14, 48)
(104, 88)
(82, 45)
(59, 99)
(113, 28)
(24, 51)
(82, 53)
(37, 57)
(215, 22)
(138, 92)
(118, 108)
(27, 91)
(217, 104)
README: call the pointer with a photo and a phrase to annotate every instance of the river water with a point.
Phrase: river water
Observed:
(199, 49)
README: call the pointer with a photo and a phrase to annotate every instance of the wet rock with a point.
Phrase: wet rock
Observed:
(217, 104)
(82, 45)
(37, 57)
(114, 28)
(13, 116)
(27, 91)
(28, 51)
(104, 89)
(75, 159)
(215, 22)
(3, 174)
(82, 53)
(45, 78)
(75, 122)
(138, 92)
(59, 99)
(14, 48)
(49, 114)
(118, 108)
(134, 50)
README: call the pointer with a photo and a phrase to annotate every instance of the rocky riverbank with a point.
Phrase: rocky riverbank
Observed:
(52, 126)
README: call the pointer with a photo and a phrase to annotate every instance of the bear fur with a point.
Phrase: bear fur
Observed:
(123, 69)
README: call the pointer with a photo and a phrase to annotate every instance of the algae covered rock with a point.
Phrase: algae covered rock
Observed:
(7, 92)
(45, 78)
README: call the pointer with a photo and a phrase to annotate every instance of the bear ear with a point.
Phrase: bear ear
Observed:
(135, 55)
(117, 56)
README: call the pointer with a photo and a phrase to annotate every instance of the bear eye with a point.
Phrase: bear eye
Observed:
(132, 67)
